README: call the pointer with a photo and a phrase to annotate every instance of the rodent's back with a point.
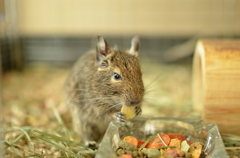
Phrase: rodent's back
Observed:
(83, 67)
(80, 82)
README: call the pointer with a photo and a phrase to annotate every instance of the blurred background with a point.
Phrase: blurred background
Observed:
(41, 39)
(58, 31)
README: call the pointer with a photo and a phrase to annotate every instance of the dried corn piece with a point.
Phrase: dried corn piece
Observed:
(128, 111)
(195, 149)
(162, 151)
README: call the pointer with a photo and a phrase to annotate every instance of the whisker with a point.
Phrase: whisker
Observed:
(149, 91)
(103, 102)
(152, 82)
(91, 96)
(105, 111)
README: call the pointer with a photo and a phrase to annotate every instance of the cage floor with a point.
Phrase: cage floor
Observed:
(37, 123)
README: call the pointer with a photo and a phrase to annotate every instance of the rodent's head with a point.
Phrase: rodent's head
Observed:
(119, 73)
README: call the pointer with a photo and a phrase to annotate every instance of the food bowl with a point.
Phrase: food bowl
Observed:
(194, 130)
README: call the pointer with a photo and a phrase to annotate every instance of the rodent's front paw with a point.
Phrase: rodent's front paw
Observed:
(138, 110)
(120, 117)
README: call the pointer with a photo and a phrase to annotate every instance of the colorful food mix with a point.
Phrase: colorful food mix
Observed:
(170, 145)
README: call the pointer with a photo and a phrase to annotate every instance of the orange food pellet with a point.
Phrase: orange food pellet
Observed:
(125, 156)
(131, 140)
(175, 142)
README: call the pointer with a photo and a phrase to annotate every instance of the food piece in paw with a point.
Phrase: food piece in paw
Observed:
(128, 111)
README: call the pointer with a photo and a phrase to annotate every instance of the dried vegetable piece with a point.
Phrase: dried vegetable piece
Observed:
(125, 156)
(162, 152)
(175, 142)
(128, 111)
(180, 153)
(184, 146)
(146, 142)
(195, 149)
(140, 142)
(151, 153)
(177, 135)
(131, 140)
(162, 140)
(172, 153)
(126, 145)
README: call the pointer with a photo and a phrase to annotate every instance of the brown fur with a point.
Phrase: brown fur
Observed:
(93, 94)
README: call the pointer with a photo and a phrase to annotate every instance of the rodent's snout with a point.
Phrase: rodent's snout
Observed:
(135, 102)
(134, 96)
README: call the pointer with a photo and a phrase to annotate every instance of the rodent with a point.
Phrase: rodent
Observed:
(100, 83)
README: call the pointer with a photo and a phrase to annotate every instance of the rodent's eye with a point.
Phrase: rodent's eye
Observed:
(117, 76)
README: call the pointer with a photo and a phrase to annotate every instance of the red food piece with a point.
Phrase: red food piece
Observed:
(180, 153)
(157, 142)
(178, 136)
(125, 156)
(131, 140)
(172, 153)
(140, 142)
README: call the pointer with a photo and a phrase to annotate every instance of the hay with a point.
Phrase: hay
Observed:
(36, 122)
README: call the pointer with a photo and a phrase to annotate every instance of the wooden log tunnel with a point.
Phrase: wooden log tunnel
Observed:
(216, 83)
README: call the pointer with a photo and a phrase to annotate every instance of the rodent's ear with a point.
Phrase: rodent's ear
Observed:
(134, 45)
(102, 50)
